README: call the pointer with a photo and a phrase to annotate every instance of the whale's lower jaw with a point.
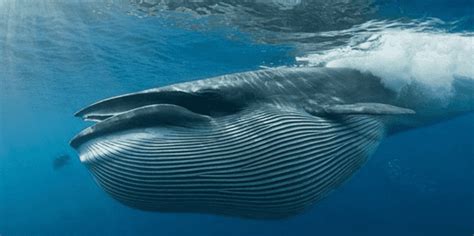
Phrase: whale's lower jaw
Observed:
(258, 164)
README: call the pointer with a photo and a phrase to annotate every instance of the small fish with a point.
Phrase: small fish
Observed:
(61, 161)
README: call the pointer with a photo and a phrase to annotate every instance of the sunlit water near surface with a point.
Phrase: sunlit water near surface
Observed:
(58, 56)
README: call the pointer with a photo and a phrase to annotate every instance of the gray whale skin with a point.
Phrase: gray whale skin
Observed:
(261, 144)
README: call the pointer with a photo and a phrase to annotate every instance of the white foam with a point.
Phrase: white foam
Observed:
(402, 56)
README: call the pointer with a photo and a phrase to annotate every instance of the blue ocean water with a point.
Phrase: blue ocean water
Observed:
(59, 56)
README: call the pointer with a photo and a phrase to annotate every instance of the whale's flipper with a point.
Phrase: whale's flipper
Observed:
(356, 108)
(146, 116)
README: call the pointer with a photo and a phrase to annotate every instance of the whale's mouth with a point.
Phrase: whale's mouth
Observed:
(152, 109)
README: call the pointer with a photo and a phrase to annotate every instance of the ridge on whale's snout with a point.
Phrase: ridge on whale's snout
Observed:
(202, 102)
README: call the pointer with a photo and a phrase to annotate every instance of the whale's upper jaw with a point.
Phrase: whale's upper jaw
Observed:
(205, 101)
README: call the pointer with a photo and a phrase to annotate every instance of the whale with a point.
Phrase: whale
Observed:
(264, 144)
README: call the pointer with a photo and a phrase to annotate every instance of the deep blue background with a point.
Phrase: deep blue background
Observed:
(418, 183)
